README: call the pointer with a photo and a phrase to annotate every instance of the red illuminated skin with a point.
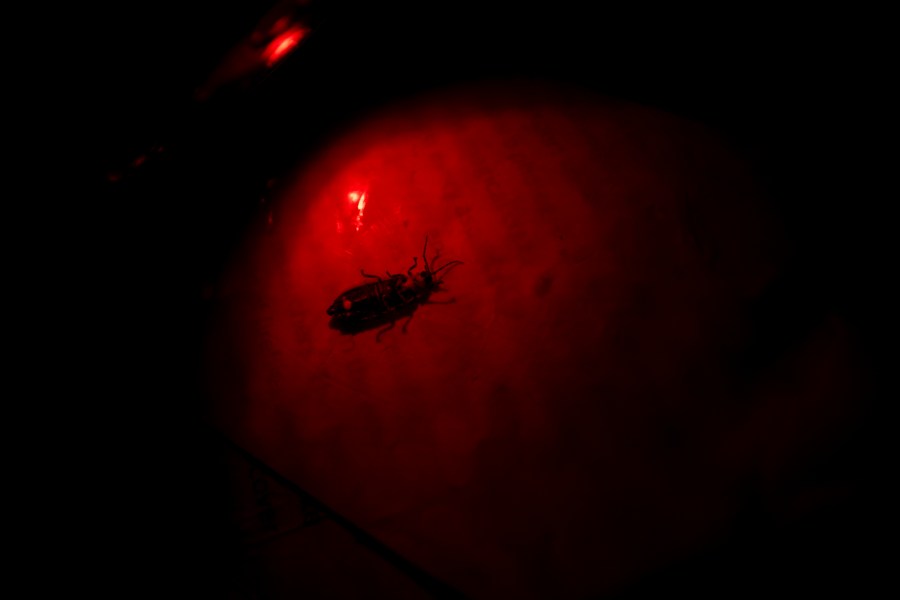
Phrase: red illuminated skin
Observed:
(576, 417)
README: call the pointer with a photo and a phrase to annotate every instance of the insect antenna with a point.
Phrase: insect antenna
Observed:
(439, 269)
(449, 264)
(425, 256)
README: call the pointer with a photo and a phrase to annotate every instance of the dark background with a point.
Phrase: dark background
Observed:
(140, 483)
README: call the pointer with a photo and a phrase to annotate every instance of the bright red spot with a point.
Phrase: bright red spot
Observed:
(279, 47)
(359, 199)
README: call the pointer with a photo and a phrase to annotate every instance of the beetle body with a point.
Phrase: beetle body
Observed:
(370, 300)
(385, 299)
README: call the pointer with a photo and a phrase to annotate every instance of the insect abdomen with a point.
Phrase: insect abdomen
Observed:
(365, 302)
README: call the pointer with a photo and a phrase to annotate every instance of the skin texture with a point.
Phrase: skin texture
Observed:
(597, 394)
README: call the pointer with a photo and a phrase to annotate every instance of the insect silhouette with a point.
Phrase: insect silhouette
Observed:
(384, 300)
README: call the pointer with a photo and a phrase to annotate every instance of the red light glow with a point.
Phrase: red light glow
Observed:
(281, 46)
(358, 198)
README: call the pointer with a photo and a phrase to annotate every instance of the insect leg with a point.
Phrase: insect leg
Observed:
(410, 270)
(364, 274)
(406, 323)
(382, 331)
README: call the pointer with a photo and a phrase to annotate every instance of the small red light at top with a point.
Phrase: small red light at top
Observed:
(279, 47)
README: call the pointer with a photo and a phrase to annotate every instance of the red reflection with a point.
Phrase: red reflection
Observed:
(357, 200)
(279, 47)
(360, 207)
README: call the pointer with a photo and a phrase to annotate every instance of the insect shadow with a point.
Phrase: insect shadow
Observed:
(379, 304)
